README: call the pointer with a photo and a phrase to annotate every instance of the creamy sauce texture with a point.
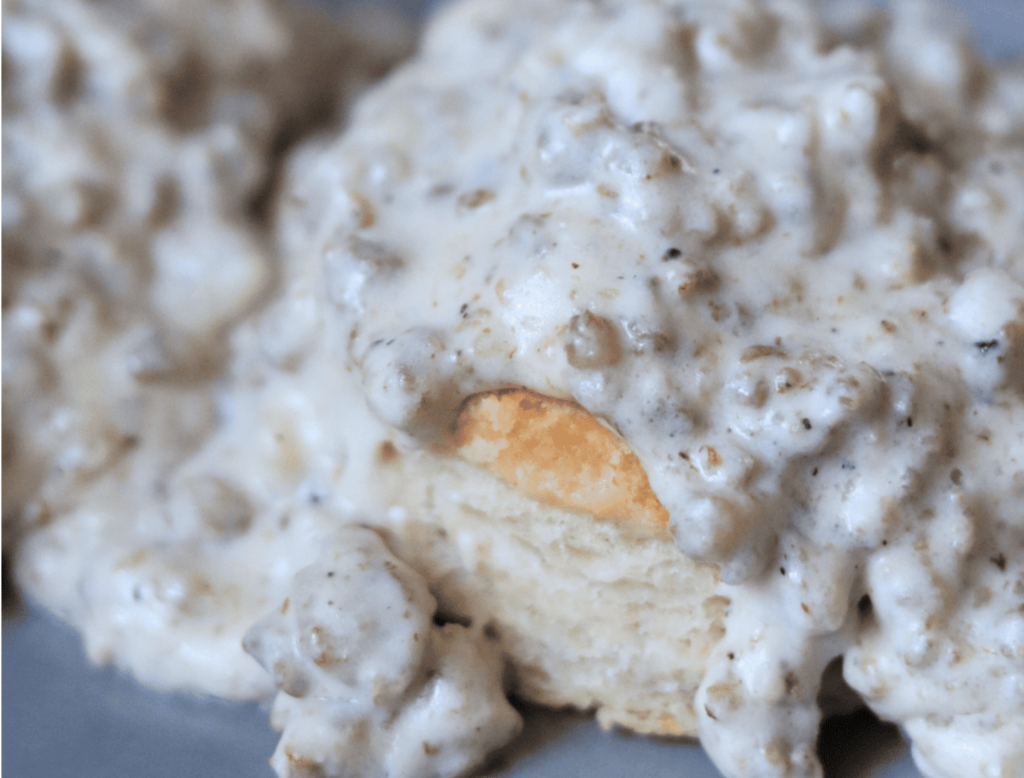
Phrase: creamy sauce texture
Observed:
(349, 648)
(777, 251)
(787, 269)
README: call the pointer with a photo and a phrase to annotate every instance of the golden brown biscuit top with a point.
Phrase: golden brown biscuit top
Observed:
(557, 452)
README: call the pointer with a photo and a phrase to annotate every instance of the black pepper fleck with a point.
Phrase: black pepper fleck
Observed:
(806, 423)
(864, 605)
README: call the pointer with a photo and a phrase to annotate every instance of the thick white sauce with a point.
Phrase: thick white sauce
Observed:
(370, 686)
(795, 270)
(138, 144)
(784, 261)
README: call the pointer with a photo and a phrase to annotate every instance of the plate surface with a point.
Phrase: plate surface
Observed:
(64, 718)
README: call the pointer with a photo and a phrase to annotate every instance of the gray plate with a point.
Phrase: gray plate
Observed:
(63, 718)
